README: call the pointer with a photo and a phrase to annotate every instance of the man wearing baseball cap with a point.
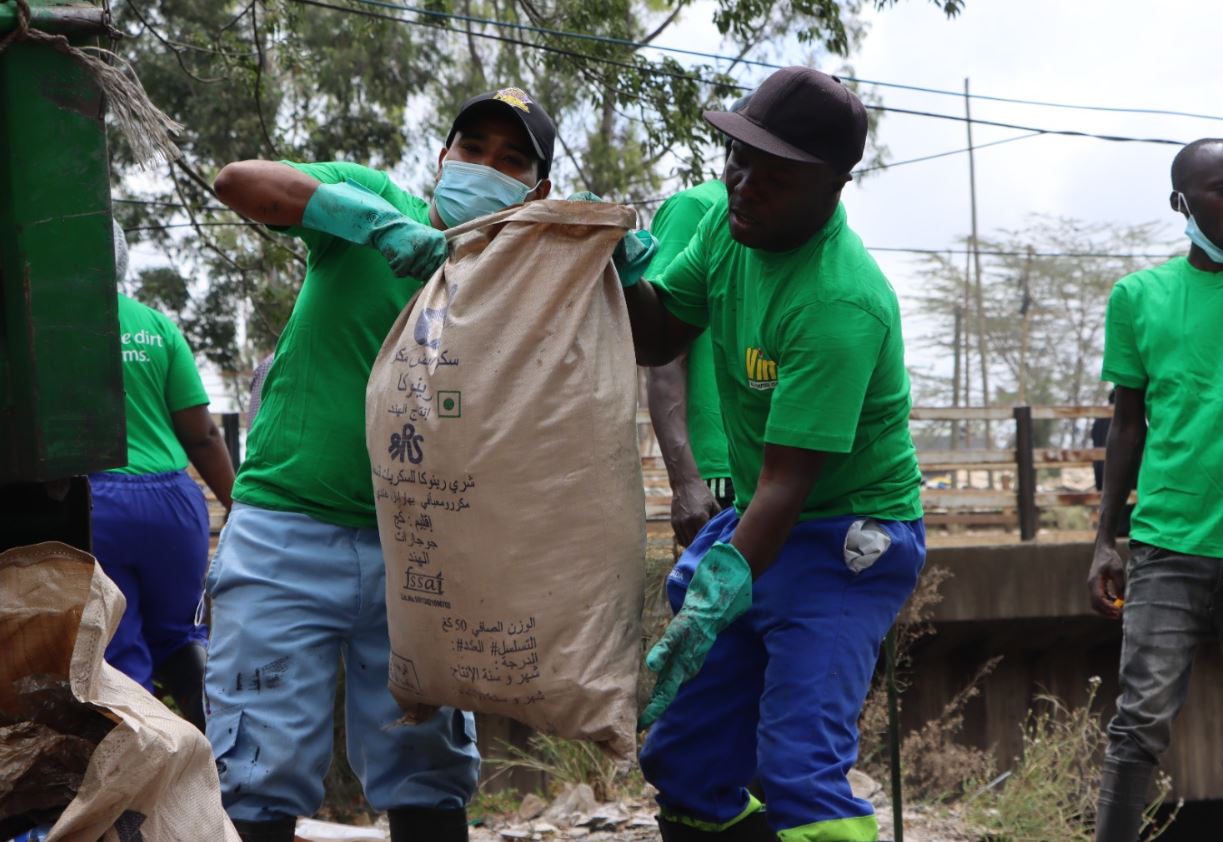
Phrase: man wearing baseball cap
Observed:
(298, 581)
(783, 600)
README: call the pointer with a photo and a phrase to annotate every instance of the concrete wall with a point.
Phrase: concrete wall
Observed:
(1029, 604)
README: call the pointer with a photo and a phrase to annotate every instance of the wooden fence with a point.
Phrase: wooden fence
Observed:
(1010, 498)
(990, 487)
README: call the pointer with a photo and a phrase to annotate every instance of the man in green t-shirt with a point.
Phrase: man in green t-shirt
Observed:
(683, 394)
(298, 581)
(783, 601)
(149, 518)
(1161, 351)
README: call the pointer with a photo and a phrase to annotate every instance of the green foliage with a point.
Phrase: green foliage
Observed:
(281, 79)
(486, 805)
(164, 289)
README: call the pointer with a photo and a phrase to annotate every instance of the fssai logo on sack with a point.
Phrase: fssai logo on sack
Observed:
(761, 371)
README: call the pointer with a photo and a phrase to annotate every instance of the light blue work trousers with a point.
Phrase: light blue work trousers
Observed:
(291, 596)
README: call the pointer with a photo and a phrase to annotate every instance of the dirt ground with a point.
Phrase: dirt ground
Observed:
(574, 815)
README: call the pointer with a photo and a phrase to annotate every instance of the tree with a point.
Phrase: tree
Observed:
(1046, 288)
(343, 79)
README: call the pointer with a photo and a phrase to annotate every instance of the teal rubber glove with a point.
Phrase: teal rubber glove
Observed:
(633, 253)
(357, 214)
(720, 592)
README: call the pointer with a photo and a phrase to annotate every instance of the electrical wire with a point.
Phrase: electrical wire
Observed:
(159, 203)
(170, 225)
(933, 251)
(695, 78)
(627, 42)
(1084, 255)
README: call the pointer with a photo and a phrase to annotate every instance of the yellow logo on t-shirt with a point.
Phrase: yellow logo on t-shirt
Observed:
(515, 97)
(761, 371)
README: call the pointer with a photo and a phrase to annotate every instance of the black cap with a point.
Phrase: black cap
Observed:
(800, 114)
(534, 119)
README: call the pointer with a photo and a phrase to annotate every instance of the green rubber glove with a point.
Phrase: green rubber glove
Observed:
(633, 253)
(719, 593)
(357, 214)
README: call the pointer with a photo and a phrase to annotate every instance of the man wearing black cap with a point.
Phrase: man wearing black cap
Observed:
(298, 581)
(783, 600)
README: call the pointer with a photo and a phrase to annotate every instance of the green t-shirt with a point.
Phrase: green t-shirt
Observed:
(159, 377)
(306, 449)
(673, 227)
(1161, 335)
(809, 354)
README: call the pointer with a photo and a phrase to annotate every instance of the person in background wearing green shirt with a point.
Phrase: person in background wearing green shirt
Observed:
(1161, 351)
(150, 521)
(683, 394)
(299, 580)
(783, 601)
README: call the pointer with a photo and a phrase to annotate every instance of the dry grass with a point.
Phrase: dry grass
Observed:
(936, 767)
(574, 762)
(1051, 791)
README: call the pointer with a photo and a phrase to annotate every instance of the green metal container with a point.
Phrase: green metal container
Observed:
(61, 381)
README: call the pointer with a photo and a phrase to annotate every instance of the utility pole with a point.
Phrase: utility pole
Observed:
(1025, 310)
(966, 329)
(978, 293)
(956, 375)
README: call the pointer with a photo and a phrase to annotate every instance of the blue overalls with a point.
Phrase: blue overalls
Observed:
(780, 693)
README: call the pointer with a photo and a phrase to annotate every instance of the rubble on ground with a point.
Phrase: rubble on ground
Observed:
(574, 813)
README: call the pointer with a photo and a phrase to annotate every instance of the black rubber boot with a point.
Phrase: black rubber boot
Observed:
(182, 676)
(754, 828)
(277, 830)
(1123, 795)
(422, 824)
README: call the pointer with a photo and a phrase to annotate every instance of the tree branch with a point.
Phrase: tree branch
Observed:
(219, 252)
(476, 61)
(194, 175)
(577, 165)
(662, 26)
(173, 48)
(267, 136)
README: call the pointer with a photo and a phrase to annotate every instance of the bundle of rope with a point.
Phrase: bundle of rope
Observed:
(146, 128)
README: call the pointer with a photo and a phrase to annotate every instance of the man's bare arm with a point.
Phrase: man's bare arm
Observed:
(786, 479)
(266, 191)
(1122, 455)
(205, 447)
(692, 503)
(658, 336)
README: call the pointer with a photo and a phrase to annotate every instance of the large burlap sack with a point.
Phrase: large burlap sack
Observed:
(152, 776)
(501, 425)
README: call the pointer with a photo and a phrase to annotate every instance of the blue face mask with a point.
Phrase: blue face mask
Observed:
(467, 191)
(1197, 237)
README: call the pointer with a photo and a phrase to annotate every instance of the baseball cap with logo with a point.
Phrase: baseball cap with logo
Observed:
(539, 126)
(800, 114)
